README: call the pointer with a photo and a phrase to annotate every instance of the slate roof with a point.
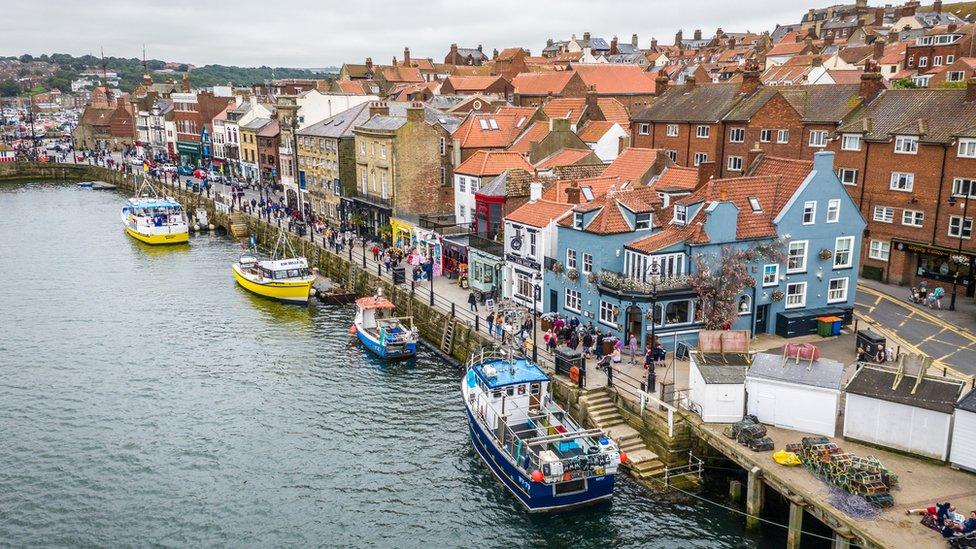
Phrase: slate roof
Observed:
(722, 374)
(483, 163)
(475, 53)
(968, 402)
(944, 113)
(615, 79)
(824, 373)
(827, 103)
(510, 183)
(384, 122)
(702, 103)
(339, 125)
(722, 359)
(256, 124)
(538, 213)
(932, 394)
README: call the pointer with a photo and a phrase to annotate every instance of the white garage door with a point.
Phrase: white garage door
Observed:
(923, 432)
(964, 440)
(806, 409)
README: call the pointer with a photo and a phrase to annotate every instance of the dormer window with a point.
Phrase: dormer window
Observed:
(642, 222)
(578, 221)
(680, 214)
(906, 144)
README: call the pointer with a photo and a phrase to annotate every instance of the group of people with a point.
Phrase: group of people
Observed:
(922, 296)
(944, 518)
(879, 354)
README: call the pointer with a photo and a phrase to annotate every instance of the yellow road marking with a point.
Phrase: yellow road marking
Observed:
(928, 317)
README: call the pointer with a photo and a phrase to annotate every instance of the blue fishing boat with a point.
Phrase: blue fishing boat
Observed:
(386, 336)
(546, 459)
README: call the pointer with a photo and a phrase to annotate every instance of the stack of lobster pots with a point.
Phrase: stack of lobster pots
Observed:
(865, 477)
(750, 433)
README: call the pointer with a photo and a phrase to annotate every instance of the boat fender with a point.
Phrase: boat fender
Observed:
(211, 226)
(567, 476)
(623, 457)
(352, 330)
(574, 374)
(537, 476)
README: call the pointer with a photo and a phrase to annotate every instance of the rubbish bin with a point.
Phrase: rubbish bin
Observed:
(824, 326)
(869, 340)
(836, 326)
(399, 275)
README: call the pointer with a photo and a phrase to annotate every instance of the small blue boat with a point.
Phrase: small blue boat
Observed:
(85, 184)
(386, 336)
(544, 458)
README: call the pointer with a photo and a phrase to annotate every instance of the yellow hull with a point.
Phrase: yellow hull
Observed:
(173, 238)
(291, 291)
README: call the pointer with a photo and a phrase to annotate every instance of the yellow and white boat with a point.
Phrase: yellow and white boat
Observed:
(153, 219)
(282, 278)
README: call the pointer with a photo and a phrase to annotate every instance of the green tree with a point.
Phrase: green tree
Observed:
(904, 84)
(9, 88)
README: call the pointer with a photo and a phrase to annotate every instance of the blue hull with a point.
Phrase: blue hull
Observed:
(535, 496)
(408, 350)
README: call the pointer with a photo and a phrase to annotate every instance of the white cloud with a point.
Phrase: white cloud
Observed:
(307, 33)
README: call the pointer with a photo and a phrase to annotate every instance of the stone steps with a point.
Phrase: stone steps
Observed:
(602, 412)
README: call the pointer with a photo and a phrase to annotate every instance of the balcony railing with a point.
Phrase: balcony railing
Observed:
(621, 284)
(369, 198)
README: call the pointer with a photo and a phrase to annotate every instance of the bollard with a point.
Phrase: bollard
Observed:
(477, 326)
(610, 375)
(582, 376)
(452, 309)
(379, 272)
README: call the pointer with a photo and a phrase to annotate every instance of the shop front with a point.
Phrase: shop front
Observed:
(429, 244)
(934, 263)
(189, 152)
(456, 258)
(485, 266)
(401, 231)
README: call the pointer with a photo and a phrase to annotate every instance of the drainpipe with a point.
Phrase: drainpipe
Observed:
(938, 202)
(752, 322)
(689, 160)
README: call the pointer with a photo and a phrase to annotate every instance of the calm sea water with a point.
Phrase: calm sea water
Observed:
(145, 400)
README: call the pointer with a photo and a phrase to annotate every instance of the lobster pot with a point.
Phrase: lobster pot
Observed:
(801, 396)
(963, 453)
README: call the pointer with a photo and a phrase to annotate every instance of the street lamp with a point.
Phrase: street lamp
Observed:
(536, 295)
(654, 272)
(962, 228)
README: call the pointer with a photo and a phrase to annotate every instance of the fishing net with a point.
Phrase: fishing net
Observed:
(852, 505)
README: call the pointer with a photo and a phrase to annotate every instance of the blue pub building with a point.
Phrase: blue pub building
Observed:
(630, 251)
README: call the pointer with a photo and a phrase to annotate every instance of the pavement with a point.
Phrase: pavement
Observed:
(949, 337)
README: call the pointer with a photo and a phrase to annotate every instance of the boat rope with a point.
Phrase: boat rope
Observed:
(741, 512)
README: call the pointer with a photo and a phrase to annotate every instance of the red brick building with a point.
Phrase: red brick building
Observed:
(532, 89)
(909, 158)
(939, 46)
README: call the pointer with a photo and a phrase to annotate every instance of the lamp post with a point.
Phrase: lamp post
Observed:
(654, 270)
(536, 295)
(431, 277)
(962, 228)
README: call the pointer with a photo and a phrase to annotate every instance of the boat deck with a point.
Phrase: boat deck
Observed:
(563, 449)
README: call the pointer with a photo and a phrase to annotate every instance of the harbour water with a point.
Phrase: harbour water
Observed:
(147, 400)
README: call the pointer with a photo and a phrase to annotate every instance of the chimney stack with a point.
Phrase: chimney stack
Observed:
(535, 190)
(937, 6)
(971, 90)
(415, 112)
(677, 38)
(750, 81)
(879, 48)
(613, 46)
(186, 82)
(871, 84)
(378, 108)
(548, 42)
(573, 193)
(406, 57)
(690, 82)
(706, 172)
(660, 85)
(586, 36)
(622, 143)
(369, 63)
(816, 61)
(697, 34)
(654, 44)
(494, 54)
(633, 40)
(591, 104)
(479, 47)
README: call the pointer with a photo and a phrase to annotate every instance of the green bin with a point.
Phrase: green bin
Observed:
(825, 327)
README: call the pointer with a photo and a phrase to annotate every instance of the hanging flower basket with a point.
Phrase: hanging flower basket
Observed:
(826, 254)
(572, 274)
(777, 295)
(556, 267)
(591, 278)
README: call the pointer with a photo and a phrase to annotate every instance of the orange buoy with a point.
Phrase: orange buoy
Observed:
(537, 476)
(567, 476)
(574, 374)
(623, 457)
(352, 330)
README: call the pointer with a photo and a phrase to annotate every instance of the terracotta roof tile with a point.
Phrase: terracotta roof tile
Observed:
(677, 178)
(539, 213)
(565, 107)
(594, 130)
(632, 164)
(614, 111)
(597, 186)
(671, 235)
(536, 132)
(402, 74)
(483, 163)
(541, 83)
(616, 79)
(497, 130)
(610, 218)
(473, 83)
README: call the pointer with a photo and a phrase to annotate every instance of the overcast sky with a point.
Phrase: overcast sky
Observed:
(308, 33)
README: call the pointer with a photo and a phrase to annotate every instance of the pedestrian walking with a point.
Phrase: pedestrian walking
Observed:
(936, 297)
(490, 319)
(599, 345)
(633, 348)
(472, 302)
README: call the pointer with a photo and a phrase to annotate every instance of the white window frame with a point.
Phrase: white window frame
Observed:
(643, 129)
(850, 142)
(906, 144)
(765, 135)
(578, 220)
(937, 61)
(818, 138)
(789, 253)
(902, 182)
(700, 157)
(606, 314)
(833, 210)
(923, 62)
(782, 136)
(587, 263)
(810, 212)
(672, 130)
(967, 148)
(837, 251)
(884, 214)
(735, 163)
(958, 183)
(956, 222)
(643, 224)
(832, 293)
(737, 135)
(571, 297)
(955, 76)
(879, 250)
(912, 218)
(703, 131)
(789, 302)
(842, 172)
(680, 216)
(571, 258)
(770, 278)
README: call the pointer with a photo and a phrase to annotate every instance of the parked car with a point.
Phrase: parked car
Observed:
(168, 168)
(200, 173)
(183, 169)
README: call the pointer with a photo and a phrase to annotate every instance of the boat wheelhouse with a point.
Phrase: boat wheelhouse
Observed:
(282, 279)
(155, 220)
(544, 457)
(385, 335)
